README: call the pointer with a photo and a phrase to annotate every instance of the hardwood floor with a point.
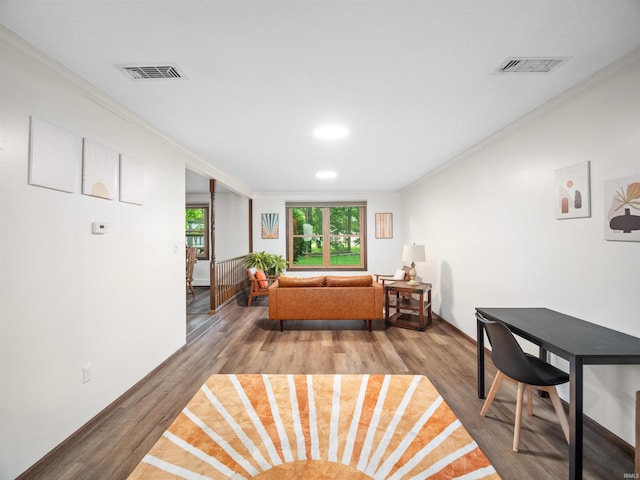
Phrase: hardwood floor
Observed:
(198, 317)
(243, 340)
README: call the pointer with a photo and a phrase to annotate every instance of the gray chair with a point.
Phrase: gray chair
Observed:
(528, 371)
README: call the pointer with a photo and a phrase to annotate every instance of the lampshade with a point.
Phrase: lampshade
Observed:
(413, 253)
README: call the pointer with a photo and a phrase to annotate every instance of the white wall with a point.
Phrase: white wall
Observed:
(384, 255)
(69, 298)
(232, 230)
(232, 226)
(488, 223)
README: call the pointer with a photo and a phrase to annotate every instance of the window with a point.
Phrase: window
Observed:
(326, 236)
(197, 229)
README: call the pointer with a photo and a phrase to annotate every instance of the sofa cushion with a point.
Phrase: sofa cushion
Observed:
(349, 281)
(289, 282)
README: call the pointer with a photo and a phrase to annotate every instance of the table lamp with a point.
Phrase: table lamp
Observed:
(413, 253)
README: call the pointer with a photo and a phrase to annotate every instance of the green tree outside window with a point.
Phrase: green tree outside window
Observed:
(197, 229)
(326, 237)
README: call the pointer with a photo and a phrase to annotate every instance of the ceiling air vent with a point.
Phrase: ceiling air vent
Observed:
(151, 72)
(529, 65)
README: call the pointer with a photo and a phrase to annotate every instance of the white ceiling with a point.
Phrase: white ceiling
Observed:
(414, 81)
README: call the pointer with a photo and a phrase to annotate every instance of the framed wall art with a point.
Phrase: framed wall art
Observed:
(384, 225)
(99, 170)
(270, 225)
(131, 180)
(622, 207)
(572, 191)
(53, 156)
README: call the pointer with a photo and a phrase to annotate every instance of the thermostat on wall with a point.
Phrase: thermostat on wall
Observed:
(98, 228)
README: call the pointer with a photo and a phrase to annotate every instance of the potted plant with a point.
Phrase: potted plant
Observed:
(270, 263)
(278, 265)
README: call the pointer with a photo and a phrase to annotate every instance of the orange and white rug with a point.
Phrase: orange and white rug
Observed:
(316, 427)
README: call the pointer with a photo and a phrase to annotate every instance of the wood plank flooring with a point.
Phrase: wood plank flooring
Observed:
(198, 317)
(243, 340)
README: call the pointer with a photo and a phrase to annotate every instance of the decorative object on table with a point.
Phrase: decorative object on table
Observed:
(572, 191)
(131, 180)
(413, 253)
(527, 371)
(99, 170)
(622, 204)
(270, 225)
(384, 225)
(322, 427)
(53, 156)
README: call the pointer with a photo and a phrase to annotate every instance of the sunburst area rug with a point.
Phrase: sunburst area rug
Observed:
(316, 427)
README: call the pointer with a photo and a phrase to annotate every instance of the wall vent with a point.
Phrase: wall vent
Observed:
(151, 72)
(529, 65)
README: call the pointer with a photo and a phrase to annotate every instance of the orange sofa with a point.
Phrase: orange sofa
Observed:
(326, 298)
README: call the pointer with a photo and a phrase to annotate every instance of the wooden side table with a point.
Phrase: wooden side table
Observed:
(409, 313)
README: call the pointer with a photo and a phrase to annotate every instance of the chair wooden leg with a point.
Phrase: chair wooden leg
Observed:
(557, 406)
(529, 400)
(516, 427)
(250, 299)
(495, 386)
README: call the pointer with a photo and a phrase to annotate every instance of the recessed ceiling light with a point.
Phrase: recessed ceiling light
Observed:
(326, 175)
(331, 132)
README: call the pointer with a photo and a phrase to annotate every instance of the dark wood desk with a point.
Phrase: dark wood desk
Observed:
(579, 342)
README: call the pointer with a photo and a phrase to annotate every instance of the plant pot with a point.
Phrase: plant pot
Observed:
(627, 222)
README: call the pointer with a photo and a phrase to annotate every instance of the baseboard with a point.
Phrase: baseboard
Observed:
(599, 429)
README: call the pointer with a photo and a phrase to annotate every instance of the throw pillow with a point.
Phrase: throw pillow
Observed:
(349, 281)
(262, 279)
(399, 275)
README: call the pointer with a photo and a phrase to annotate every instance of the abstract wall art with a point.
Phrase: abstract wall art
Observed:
(99, 170)
(384, 225)
(53, 156)
(572, 191)
(270, 225)
(131, 180)
(622, 209)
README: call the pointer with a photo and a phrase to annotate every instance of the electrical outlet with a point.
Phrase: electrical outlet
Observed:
(87, 373)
